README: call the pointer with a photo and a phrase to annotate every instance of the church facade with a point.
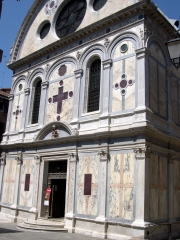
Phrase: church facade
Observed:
(93, 128)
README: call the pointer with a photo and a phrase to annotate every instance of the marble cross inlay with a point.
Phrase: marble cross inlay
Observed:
(124, 83)
(17, 112)
(60, 97)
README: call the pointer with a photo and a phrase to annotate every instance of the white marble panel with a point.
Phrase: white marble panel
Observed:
(87, 204)
(153, 85)
(13, 117)
(157, 53)
(9, 181)
(26, 197)
(118, 53)
(121, 186)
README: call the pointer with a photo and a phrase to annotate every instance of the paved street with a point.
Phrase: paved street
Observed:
(9, 231)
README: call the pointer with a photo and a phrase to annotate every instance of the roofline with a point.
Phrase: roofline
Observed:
(147, 5)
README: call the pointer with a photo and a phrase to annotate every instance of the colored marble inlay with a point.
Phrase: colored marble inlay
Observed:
(59, 98)
(62, 70)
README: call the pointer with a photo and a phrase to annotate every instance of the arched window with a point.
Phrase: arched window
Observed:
(94, 86)
(36, 102)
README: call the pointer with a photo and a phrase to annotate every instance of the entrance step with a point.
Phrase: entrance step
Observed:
(42, 225)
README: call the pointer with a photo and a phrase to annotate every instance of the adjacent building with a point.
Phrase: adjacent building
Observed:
(93, 128)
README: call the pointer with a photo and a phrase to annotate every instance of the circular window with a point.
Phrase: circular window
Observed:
(70, 17)
(98, 4)
(124, 48)
(44, 30)
(20, 87)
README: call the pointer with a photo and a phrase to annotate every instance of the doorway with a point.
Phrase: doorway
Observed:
(57, 183)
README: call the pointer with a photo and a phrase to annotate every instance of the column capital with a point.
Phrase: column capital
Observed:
(171, 158)
(37, 158)
(103, 155)
(78, 73)
(27, 91)
(45, 84)
(3, 159)
(142, 153)
(19, 159)
(72, 157)
(107, 63)
(142, 52)
(11, 97)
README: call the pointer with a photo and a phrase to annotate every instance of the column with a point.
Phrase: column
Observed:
(171, 159)
(142, 87)
(142, 156)
(34, 210)
(70, 215)
(2, 166)
(5, 138)
(43, 103)
(14, 207)
(101, 219)
(78, 77)
(24, 112)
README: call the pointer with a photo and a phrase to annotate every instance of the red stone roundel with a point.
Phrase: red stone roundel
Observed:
(62, 70)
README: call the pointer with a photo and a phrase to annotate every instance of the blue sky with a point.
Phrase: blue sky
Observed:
(14, 12)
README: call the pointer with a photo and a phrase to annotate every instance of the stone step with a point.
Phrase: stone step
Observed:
(42, 225)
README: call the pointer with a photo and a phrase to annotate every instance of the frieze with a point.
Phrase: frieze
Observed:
(142, 153)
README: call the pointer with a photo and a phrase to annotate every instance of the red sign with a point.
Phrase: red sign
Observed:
(48, 190)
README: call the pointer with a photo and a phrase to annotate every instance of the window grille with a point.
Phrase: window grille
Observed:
(36, 104)
(94, 86)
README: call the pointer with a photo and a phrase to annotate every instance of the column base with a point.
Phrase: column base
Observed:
(141, 224)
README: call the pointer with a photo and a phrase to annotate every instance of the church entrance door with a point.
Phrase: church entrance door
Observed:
(57, 182)
(57, 204)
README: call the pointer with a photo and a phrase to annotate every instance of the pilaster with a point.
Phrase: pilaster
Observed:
(107, 64)
(14, 207)
(171, 159)
(142, 156)
(11, 98)
(78, 77)
(2, 166)
(142, 86)
(34, 210)
(44, 88)
(24, 113)
(101, 219)
(70, 215)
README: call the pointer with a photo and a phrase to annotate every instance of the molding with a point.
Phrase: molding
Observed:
(45, 85)
(107, 63)
(27, 91)
(142, 52)
(78, 73)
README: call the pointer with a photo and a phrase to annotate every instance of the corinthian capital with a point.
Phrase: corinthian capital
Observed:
(103, 155)
(142, 152)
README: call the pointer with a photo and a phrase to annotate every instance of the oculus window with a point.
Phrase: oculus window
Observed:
(70, 17)
(45, 30)
(98, 4)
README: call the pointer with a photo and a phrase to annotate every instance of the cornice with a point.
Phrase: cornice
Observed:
(145, 5)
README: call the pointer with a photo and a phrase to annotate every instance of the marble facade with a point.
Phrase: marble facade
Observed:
(128, 149)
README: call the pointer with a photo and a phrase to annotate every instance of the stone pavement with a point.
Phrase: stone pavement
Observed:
(9, 231)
